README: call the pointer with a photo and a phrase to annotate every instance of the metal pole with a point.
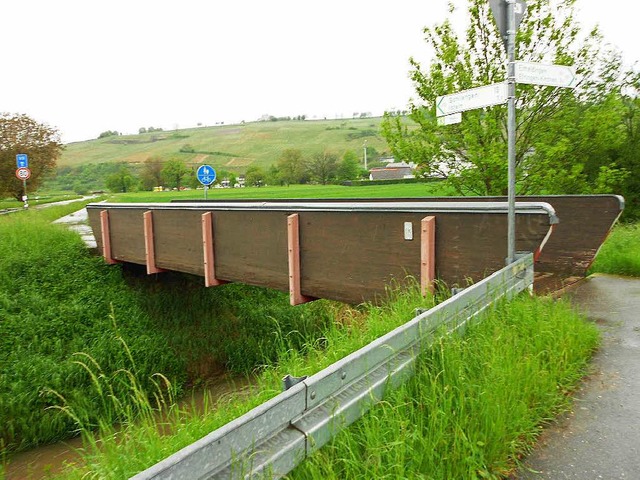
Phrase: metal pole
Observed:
(511, 130)
(206, 187)
(364, 146)
(24, 195)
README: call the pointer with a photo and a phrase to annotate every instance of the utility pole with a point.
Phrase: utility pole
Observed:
(364, 147)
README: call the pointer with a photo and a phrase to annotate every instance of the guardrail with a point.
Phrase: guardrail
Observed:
(270, 440)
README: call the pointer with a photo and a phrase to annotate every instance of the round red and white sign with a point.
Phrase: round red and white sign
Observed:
(23, 173)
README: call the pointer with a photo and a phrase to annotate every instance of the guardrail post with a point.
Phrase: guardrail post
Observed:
(427, 254)
(106, 238)
(293, 244)
(208, 246)
(149, 244)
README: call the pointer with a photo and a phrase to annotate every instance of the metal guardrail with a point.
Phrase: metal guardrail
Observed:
(270, 440)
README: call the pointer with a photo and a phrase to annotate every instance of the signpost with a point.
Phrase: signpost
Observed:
(206, 176)
(23, 173)
(471, 99)
(22, 160)
(544, 74)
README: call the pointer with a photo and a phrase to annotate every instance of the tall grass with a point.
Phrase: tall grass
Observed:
(620, 254)
(476, 403)
(57, 300)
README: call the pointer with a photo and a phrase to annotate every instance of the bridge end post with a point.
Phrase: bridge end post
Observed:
(427, 255)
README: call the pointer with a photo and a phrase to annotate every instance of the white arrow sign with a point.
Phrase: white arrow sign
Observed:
(542, 74)
(480, 97)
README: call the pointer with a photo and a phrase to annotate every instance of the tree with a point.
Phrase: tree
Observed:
(109, 133)
(21, 134)
(349, 168)
(121, 181)
(255, 176)
(292, 167)
(323, 167)
(173, 172)
(472, 154)
(151, 175)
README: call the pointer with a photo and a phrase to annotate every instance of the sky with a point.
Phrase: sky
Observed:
(86, 67)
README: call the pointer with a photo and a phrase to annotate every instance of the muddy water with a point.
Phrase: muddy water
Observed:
(47, 460)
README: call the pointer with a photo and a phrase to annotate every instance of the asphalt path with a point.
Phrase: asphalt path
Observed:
(600, 437)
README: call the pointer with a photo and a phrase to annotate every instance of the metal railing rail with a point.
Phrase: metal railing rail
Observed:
(270, 440)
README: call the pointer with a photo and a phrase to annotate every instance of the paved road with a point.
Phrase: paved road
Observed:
(600, 439)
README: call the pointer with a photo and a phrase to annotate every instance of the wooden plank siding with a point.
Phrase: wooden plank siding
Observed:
(585, 223)
(349, 252)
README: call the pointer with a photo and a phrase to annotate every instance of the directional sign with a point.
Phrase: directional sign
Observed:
(450, 119)
(542, 74)
(22, 161)
(499, 9)
(480, 97)
(206, 174)
(23, 173)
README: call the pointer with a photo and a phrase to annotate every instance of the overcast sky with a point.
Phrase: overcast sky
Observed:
(86, 67)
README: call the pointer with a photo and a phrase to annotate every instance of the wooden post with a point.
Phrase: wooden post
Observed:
(293, 243)
(106, 237)
(210, 279)
(427, 254)
(149, 244)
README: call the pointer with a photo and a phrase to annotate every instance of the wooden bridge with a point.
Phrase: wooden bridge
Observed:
(350, 250)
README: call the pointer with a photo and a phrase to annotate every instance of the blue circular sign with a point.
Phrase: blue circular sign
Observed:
(206, 174)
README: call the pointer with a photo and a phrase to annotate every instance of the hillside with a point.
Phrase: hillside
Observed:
(231, 147)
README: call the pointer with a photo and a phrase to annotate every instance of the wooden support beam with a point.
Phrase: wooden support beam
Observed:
(208, 246)
(427, 254)
(149, 244)
(106, 237)
(293, 243)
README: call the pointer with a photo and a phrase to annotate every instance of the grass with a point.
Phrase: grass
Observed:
(476, 404)
(35, 200)
(57, 300)
(620, 254)
(411, 190)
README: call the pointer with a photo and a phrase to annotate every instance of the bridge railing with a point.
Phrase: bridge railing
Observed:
(270, 440)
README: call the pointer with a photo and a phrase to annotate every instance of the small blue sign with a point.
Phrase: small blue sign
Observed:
(206, 174)
(22, 161)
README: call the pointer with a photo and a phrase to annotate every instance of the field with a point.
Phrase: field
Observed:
(429, 189)
(231, 147)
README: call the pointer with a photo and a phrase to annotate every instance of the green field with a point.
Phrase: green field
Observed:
(411, 190)
(232, 147)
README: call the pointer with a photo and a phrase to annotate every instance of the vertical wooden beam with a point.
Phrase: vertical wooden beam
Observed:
(149, 244)
(208, 246)
(293, 243)
(106, 237)
(427, 254)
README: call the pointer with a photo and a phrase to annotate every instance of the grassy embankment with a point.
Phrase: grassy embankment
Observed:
(74, 332)
(475, 406)
(620, 254)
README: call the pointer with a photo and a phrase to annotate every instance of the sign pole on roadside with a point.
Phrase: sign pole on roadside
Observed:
(511, 129)
(206, 176)
(23, 173)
